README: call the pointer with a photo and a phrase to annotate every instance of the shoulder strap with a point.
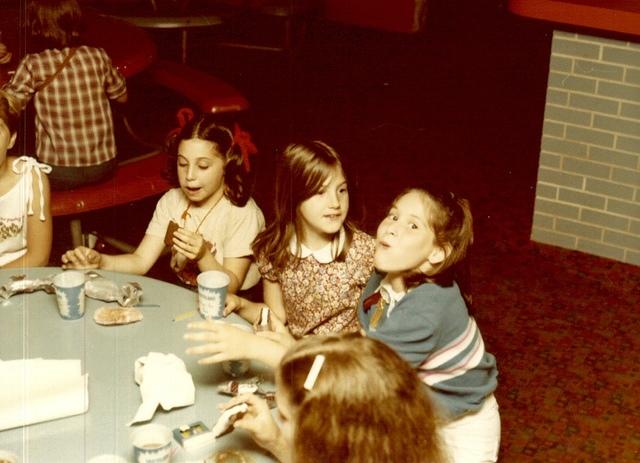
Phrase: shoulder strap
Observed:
(66, 60)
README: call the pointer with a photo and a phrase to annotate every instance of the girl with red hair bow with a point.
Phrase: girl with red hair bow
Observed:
(209, 221)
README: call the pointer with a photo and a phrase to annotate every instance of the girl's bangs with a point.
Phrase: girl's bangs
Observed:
(317, 174)
(429, 205)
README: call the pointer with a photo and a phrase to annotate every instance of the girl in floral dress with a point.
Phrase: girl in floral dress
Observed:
(314, 262)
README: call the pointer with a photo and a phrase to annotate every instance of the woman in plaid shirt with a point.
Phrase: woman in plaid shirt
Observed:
(71, 84)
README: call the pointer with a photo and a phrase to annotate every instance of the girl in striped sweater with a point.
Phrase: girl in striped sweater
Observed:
(413, 303)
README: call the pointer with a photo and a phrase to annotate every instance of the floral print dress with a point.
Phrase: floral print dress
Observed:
(320, 296)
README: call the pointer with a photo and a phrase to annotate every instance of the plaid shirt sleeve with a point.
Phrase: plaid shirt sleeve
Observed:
(114, 82)
(22, 85)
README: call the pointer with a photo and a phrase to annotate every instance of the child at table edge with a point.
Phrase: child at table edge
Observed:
(217, 218)
(25, 212)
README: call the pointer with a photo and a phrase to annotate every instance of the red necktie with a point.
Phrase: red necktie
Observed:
(371, 301)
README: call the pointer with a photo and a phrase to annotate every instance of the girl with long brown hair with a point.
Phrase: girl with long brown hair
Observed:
(313, 260)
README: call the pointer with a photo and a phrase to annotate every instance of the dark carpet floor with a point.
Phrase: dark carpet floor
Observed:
(462, 102)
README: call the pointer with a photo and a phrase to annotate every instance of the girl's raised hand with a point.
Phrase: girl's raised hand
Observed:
(222, 341)
(191, 245)
(276, 325)
(81, 257)
(5, 55)
(257, 420)
(279, 333)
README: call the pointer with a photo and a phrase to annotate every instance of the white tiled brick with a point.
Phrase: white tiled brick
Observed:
(588, 191)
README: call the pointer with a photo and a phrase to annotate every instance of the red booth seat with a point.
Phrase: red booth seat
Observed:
(207, 91)
(132, 181)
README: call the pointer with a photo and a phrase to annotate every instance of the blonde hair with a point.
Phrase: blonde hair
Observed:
(367, 404)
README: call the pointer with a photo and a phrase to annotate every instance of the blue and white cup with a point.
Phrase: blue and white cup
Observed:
(212, 293)
(69, 287)
(151, 444)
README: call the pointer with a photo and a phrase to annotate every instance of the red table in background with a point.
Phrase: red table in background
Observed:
(621, 16)
(130, 48)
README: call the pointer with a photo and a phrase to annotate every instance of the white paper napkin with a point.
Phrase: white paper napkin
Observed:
(164, 380)
(35, 390)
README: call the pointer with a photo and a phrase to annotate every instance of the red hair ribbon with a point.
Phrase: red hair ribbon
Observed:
(247, 148)
(183, 115)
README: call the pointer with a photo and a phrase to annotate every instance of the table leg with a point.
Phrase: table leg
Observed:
(76, 232)
(184, 46)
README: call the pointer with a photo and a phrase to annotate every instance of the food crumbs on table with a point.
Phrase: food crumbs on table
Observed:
(185, 315)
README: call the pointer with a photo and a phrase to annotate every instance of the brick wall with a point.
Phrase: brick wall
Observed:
(588, 191)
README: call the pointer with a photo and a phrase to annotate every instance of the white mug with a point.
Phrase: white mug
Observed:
(151, 444)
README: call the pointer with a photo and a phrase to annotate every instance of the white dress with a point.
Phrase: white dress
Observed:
(16, 205)
(230, 228)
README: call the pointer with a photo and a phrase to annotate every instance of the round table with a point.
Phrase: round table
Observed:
(180, 22)
(32, 328)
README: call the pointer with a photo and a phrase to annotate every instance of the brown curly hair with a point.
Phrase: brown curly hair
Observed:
(205, 127)
(54, 24)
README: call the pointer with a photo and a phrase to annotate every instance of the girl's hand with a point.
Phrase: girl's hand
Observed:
(279, 333)
(222, 341)
(277, 325)
(285, 340)
(232, 304)
(5, 55)
(178, 261)
(274, 322)
(190, 244)
(81, 257)
(257, 421)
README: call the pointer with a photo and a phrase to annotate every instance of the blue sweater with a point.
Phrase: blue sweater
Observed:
(430, 328)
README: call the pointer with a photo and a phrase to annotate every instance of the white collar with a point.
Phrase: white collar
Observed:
(325, 254)
(387, 292)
